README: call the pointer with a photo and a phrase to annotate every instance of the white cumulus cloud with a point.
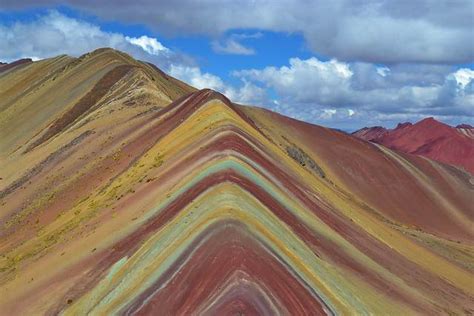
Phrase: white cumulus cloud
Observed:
(247, 93)
(148, 44)
(55, 33)
(463, 76)
(351, 93)
(196, 78)
(374, 31)
(304, 80)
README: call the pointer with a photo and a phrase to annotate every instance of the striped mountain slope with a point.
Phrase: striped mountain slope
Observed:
(125, 191)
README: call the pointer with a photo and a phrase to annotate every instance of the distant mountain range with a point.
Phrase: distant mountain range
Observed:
(125, 191)
(428, 138)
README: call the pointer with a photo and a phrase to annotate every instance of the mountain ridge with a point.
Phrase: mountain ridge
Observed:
(429, 138)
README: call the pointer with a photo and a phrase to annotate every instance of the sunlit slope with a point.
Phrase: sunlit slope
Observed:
(410, 190)
(202, 210)
(205, 207)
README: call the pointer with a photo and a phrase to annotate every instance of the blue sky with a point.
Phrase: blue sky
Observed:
(343, 64)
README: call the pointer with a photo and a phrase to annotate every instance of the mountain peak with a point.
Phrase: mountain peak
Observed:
(108, 54)
(429, 138)
(105, 50)
(428, 119)
(430, 123)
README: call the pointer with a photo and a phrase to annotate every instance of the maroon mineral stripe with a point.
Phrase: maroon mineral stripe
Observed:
(374, 249)
(109, 168)
(224, 248)
(366, 243)
(188, 104)
(359, 238)
(128, 245)
(243, 297)
(364, 240)
(100, 89)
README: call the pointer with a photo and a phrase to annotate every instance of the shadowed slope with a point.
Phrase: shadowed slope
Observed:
(206, 207)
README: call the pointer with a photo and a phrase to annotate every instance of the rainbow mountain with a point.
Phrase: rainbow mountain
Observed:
(126, 191)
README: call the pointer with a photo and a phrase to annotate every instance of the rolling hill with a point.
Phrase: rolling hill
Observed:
(126, 191)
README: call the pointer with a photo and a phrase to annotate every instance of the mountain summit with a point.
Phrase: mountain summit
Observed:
(126, 191)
